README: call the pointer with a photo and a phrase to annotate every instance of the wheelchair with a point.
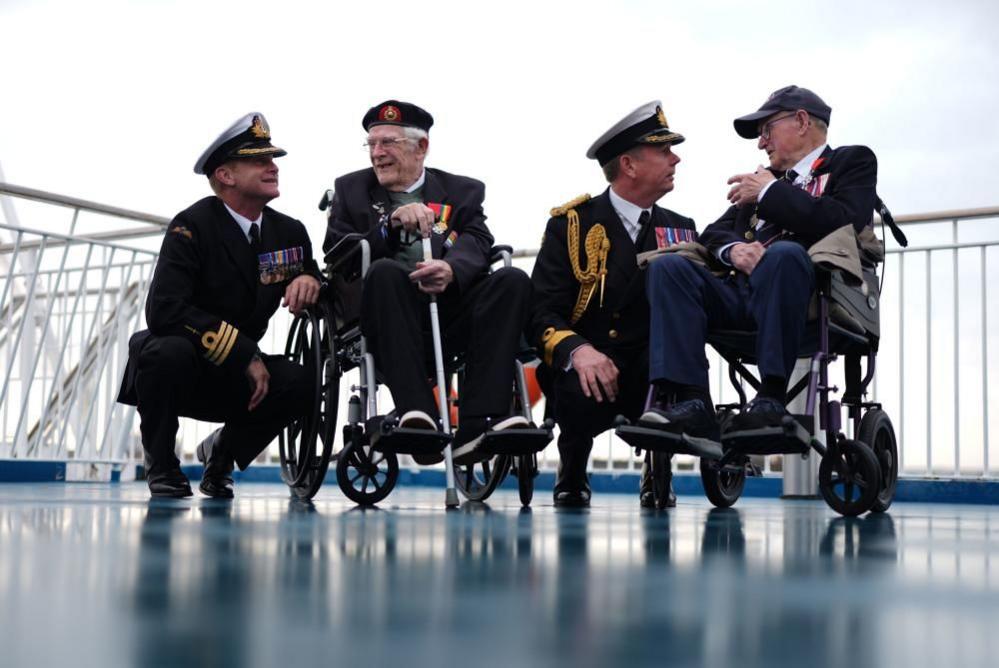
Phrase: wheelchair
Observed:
(856, 475)
(327, 340)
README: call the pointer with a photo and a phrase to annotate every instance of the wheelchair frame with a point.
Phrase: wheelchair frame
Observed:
(855, 476)
(329, 343)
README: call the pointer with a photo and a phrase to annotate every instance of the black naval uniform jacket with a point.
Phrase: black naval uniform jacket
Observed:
(207, 286)
(848, 178)
(361, 205)
(623, 320)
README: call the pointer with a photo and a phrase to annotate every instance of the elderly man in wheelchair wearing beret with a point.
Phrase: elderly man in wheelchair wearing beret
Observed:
(394, 204)
(808, 192)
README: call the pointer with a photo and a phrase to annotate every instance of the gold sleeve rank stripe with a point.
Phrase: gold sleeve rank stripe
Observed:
(219, 344)
(551, 338)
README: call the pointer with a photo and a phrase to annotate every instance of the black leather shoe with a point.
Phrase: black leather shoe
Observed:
(761, 412)
(217, 487)
(173, 485)
(689, 417)
(216, 481)
(647, 499)
(575, 498)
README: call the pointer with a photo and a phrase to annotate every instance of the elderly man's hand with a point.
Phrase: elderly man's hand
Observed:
(745, 257)
(596, 372)
(432, 276)
(748, 186)
(415, 217)
(302, 292)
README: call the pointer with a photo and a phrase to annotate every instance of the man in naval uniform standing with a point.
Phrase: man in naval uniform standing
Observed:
(225, 265)
(395, 203)
(808, 191)
(590, 316)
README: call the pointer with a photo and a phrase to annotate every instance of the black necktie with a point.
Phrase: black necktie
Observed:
(643, 226)
(790, 175)
(255, 238)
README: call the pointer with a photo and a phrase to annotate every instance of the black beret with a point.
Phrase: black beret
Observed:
(394, 112)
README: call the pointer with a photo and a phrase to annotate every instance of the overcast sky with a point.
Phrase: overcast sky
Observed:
(113, 100)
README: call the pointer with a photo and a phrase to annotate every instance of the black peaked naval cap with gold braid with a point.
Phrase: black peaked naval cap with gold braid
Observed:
(249, 137)
(645, 125)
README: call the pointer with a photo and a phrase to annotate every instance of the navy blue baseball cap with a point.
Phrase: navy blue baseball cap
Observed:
(788, 98)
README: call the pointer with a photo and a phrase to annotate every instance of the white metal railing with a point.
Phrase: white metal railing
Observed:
(68, 303)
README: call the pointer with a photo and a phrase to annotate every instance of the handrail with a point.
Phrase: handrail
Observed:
(81, 204)
(904, 219)
(67, 239)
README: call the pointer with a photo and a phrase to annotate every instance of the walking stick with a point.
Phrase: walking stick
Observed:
(450, 494)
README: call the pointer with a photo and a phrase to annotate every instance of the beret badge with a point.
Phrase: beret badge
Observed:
(389, 113)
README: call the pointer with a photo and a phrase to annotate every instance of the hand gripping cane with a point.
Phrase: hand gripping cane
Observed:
(450, 494)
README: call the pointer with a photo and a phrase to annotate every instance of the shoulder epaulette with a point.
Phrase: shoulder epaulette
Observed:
(571, 204)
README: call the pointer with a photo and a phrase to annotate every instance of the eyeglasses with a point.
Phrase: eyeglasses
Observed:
(765, 130)
(387, 143)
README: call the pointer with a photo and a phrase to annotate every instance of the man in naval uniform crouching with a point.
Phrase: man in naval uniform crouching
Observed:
(590, 316)
(225, 265)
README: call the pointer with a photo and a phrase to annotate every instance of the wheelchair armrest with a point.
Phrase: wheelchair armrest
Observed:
(502, 254)
(344, 252)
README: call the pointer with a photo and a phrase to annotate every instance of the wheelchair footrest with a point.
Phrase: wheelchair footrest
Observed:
(658, 440)
(409, 441)
(515, 441)
(790, 437)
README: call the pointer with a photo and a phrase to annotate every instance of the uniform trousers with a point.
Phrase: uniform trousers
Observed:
(173, 379)
(581, 418)
(485, 323)
(686, 301)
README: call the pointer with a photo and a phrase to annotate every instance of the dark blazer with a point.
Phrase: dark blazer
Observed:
(361, 205)
(207, 285)
(623, 320)
(849, 175)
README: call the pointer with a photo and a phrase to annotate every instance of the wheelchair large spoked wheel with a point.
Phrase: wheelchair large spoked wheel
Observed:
(877, 432)
(366, 476)
(306, 444)
(850, 478)
(478, 481)
(723, 485)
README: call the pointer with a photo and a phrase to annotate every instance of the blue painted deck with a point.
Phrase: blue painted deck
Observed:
(96, 574)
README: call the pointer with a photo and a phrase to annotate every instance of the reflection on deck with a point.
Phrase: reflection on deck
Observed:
(100, 575)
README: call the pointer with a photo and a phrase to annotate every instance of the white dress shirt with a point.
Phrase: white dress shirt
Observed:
(628, 213)
(244, 222)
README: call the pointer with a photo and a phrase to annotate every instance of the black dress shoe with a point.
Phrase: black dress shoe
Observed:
(173, 485)
(762, 412)
(216, 481)
(648, 500)
(689, 417)
(217, 487)
(575, 498)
